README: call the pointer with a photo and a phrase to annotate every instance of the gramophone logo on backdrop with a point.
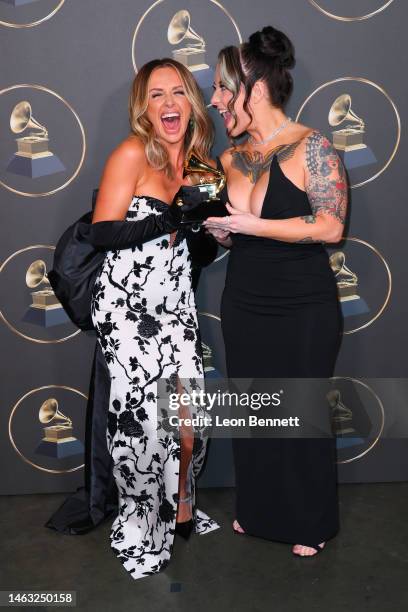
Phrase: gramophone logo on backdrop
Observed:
(363, 283)
(357, 417)
(347, 285)
(349, 138)
(357, 10)
(346, 110)
(58, 440)
(33, 157)
(47, 426)
(192, 54)
(192, 33)
(28, 12)
(43, 144)
(30, 307)
(45, 309)
(212, 345)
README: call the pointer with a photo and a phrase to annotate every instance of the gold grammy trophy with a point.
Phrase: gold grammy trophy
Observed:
(58, 440)
(347, 284)
(45, 309)
(209, 181)
(32, 158)
(180, 30)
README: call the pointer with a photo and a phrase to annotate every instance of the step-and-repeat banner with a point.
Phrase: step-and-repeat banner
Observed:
(66, 70)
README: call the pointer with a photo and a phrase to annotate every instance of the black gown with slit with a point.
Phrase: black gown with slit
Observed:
(281, 318)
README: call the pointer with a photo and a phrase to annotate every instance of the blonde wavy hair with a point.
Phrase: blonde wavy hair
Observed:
(200, 131)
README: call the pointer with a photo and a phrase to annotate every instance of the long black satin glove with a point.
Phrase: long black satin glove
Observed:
(202, 246)
(115, 235)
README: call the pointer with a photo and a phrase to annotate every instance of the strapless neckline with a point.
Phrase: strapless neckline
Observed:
(161, 204)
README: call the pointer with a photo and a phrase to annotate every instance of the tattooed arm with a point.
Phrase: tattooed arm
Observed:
(326, 188)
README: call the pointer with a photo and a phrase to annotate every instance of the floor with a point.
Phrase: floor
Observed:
(364, 568)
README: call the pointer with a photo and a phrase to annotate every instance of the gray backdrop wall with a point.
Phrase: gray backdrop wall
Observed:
(73, 63)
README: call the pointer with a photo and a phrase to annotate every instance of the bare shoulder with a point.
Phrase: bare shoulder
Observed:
(129, 151)
(123, 169)
(226, 157)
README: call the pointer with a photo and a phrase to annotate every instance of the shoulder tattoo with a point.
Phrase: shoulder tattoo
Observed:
(252, 164)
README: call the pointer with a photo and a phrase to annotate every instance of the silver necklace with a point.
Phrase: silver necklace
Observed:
(275, 133)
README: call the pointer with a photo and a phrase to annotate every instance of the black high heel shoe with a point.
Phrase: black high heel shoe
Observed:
(185, 528)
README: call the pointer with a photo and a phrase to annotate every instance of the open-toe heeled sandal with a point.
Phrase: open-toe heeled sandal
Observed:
(315, 547)
(185, 528)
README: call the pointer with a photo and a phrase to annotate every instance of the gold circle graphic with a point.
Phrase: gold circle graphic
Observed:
(9, 325)
(380, 89)
(355, 380)
(387, 297)
(81, 161)
(16, 405)
(360, 18)
(33, 23)
(208, 314)
(145, 14)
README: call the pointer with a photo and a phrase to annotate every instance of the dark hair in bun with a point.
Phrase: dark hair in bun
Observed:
(274, 44)
(269, 55)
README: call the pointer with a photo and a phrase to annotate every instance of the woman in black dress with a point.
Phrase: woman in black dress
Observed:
(280, 313)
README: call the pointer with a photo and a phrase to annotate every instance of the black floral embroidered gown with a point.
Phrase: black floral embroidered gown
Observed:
(144, 313)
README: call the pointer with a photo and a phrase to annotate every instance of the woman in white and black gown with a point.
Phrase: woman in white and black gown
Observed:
(144, 312)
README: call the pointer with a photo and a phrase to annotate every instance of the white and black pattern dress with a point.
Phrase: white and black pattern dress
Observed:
(144, 313)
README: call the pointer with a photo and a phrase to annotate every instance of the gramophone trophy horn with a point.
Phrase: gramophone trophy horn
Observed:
(347, 280)
(337, 260)
(179, 30)
(22, 118)
(36, 275)
(58, 440)
(351, 136)
(32, 158)
(210, 182)
(341, 111)
(49, 412)
(45, 309)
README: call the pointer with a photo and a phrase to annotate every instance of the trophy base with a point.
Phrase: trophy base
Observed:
(211, 372)
(193, 59)
(35, 167)
(353, 305)
(357, 157)
(346, 140)
(60, 450)
(209, 208)
(19, 2)
(46, 317)
(345, 442)
(205, 78)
